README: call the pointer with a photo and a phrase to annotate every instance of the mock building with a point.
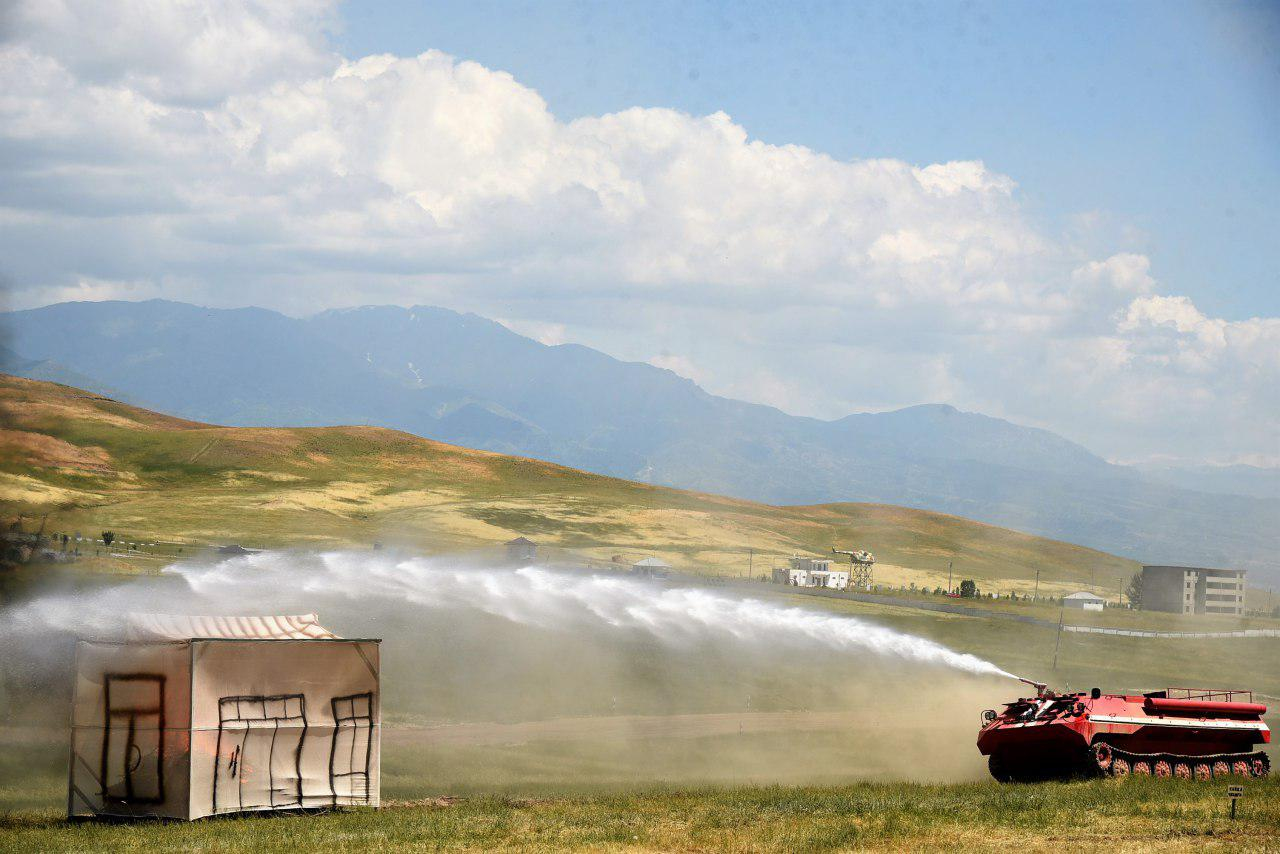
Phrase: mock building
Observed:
(1085, 601)
(1193, 590)
(522, 550)
(651, 567)
(186, 717)
(811, 572)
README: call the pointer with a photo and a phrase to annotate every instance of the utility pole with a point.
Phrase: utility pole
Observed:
(751, 562)
(1036, 596)
(949, 577)
(1058, 642)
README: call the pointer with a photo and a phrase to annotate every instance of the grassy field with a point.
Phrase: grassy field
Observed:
(94, 464)
(1129, 816)
(423, 812)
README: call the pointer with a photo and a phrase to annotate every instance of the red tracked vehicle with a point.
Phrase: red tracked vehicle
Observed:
(1179, 732)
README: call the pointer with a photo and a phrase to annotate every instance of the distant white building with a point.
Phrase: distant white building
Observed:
(651, 567)
(811, 572)
(1084, 600)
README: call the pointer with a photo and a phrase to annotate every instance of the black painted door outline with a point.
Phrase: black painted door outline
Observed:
(133, 738)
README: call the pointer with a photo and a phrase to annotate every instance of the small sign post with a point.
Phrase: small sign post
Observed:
(1235, 793)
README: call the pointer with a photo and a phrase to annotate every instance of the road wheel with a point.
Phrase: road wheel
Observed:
(1221, 768)
(1142, 768)
(1163, 769)
(999, 768)
(1240, 768)
(1182, 771)
(1203, 771)
(1102, 756)
(1120, 768)
(1259, 768)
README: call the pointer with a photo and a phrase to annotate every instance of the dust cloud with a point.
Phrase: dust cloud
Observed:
(522, 678)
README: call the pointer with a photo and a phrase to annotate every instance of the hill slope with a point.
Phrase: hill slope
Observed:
(470, 381)
(95, 463)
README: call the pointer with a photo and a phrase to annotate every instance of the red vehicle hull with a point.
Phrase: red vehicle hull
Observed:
(1177, 732)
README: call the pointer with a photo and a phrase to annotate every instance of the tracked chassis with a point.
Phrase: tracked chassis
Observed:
(1179, 732)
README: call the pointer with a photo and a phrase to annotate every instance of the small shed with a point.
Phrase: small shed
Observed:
(522, 550)
(651, 567)
(185, 717)
(1084, 600)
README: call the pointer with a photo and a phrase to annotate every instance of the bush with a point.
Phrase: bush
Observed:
(1134, 590)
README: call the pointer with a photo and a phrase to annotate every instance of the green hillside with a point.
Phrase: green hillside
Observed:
(93, 463)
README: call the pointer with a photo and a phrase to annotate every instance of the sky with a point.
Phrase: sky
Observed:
(1061, 214)
(1159, 116)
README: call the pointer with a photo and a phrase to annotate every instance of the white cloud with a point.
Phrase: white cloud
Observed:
(220, 152)
(88, 289)
(186, 51)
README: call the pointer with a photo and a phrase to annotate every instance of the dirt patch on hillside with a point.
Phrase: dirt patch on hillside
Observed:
(341, 496)
(27, 490)
(244, 477)
(34, 412)
(478, 468)
(39, 450)
(369, 497)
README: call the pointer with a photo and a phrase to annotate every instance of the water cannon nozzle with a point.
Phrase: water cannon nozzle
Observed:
(1042, 688)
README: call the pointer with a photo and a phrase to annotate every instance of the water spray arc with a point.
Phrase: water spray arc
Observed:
(546, 598)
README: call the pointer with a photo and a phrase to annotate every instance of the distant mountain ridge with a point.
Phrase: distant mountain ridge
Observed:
(470, 381)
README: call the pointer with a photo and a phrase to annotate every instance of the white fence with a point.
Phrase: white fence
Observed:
(1134, 633)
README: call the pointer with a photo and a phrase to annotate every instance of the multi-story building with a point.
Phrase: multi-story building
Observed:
(1193, 590)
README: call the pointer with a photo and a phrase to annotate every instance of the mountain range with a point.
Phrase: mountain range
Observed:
(470, 381)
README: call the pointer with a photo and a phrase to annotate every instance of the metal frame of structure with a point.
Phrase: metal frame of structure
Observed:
(860, 563)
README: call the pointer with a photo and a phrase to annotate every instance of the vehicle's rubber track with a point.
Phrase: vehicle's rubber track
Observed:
(1111, 761)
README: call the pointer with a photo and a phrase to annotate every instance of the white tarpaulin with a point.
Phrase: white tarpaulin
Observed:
(182, 627)
(197, 716)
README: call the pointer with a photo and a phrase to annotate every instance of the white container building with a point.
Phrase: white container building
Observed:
(187, 717)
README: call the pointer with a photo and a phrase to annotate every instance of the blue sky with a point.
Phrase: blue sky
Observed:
(1161, 120)
(1060, 214)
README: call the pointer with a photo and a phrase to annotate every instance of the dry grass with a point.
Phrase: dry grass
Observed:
(151, 476)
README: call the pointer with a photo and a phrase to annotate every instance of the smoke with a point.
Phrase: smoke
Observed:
(496, 677)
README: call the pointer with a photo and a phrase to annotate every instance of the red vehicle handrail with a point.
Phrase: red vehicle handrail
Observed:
(1224, 695)
(1204, 707)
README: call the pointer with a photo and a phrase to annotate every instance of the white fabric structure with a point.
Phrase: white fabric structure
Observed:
(196, 716)
(181, 627)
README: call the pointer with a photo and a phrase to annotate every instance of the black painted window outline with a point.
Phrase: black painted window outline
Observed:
(132, 754)
(349, 712)
(259, 709)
